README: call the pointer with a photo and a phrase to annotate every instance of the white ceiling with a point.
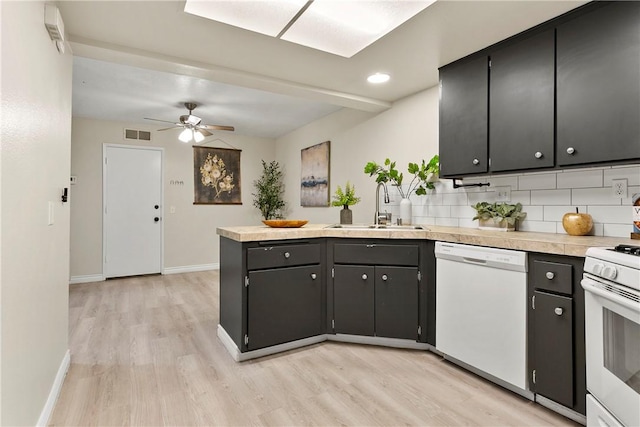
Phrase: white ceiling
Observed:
(137, 59)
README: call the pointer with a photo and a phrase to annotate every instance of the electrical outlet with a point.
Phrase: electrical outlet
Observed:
(619, 188)
(503, 194)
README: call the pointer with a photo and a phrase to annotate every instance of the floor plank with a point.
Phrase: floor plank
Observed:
(144, 352)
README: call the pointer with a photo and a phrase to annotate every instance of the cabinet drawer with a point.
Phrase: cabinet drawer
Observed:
(552, 276)
(282, 256)
(376, 254)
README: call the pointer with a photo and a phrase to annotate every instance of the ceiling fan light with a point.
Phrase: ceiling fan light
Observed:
(186, 135)
(198, 136)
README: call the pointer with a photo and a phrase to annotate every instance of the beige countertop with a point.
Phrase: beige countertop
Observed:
(561, 244)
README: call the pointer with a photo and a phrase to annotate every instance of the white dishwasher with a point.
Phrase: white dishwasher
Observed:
(481, 311)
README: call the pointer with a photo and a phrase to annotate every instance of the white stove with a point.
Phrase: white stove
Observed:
(612, 326)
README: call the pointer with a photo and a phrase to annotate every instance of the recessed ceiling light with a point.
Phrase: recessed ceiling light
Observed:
(343, 27)
(378, 78)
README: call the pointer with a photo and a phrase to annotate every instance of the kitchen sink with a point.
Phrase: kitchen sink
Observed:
(376, 227)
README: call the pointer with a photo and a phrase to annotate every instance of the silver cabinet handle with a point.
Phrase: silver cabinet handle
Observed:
(365, 277)
(538, 155)
(550, 275)
(287, 255)
(571, 150)
(313, 276)
(384, 277)
(558, 311)
(476, 161)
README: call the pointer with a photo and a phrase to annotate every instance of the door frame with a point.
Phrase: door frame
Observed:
(104, 199)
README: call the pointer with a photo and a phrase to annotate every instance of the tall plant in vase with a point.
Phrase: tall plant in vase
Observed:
(269, 195)
(423, 176)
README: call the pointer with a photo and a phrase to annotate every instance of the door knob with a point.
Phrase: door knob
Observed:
(287, 255)
(365, 277)
(313, 276)
(558, 311)
(550, 275)
(538, 155)
(476, 161)
(571, 150)
(156, 219)
(384, 277)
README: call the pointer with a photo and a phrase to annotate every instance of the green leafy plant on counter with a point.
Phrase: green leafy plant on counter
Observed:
(345, 198)
(499, 211)
(423, 175)
(269, 195)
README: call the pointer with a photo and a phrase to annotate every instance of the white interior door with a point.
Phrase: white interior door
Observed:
(132, 210)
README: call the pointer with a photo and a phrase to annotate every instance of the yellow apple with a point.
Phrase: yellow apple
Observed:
(577, 224)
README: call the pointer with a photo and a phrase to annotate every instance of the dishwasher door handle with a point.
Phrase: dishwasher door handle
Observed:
(474, 260)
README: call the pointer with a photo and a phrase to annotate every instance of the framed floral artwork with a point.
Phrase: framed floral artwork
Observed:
(216, 176)
(314, 181)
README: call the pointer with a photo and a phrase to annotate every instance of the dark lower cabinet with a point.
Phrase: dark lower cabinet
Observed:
(354, 295)
(377, 289)
(556, 350)
(396, 302)
(283, 305)
(553, 347)
(598, 85)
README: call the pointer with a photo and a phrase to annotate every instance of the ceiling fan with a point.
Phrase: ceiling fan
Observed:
(193, 129)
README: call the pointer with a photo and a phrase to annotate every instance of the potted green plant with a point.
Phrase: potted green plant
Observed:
(345, 199)
(498, 216)
(269, 188)
(423, 177)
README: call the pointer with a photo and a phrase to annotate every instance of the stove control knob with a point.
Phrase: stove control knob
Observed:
(609, 272)
(596, 269)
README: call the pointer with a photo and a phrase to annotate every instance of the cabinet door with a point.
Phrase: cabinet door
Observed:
(353, 299)
(598, 85)
(283, 305)
(553, 348)
(521, 104)
(464, 92)
(396, 307)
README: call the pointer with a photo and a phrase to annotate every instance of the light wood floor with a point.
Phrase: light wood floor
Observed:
(144, 351)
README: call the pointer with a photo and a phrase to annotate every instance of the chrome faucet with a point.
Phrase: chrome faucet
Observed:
(384, 217)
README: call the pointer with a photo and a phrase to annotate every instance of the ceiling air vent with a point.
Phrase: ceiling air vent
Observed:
(142, 135)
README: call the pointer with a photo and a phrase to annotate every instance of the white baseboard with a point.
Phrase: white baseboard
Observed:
(86, 279)
(191, 268)
(55, 390)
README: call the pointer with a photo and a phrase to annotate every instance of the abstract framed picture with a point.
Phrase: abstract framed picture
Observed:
(216, 176)
(314, 181)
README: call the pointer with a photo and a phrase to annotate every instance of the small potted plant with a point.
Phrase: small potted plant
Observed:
(269, 195)
(424, 175)
(345, 199)
(498, 216)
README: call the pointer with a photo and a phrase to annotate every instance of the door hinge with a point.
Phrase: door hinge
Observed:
(333, 272)
(333, 324)
(419, 276)
(533, 376)
(105, 160)
(246, 281)
(489, 63)
(419, 330)
(533, 302)
(246, 339)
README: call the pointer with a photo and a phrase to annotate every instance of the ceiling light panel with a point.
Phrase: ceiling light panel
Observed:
(346, 27)
(265, 17)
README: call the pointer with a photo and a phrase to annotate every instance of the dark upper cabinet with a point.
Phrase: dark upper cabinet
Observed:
(598, 85)
(464, 114)
(521, 104)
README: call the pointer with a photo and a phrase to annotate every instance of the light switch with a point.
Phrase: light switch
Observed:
(51, 206)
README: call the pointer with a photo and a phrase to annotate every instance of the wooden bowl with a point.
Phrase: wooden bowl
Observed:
(284, 223)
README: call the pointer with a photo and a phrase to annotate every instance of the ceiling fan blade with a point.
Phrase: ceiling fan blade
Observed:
(204, 131)
(172, 127)
(158, 120)
(217, 127)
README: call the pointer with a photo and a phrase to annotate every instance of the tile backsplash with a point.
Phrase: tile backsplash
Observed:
(545, 196)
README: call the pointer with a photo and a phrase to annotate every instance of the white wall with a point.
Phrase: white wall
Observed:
(36, 140)
(190, 239)
(409, 132)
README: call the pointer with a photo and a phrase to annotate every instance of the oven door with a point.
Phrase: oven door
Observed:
(612, 328)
